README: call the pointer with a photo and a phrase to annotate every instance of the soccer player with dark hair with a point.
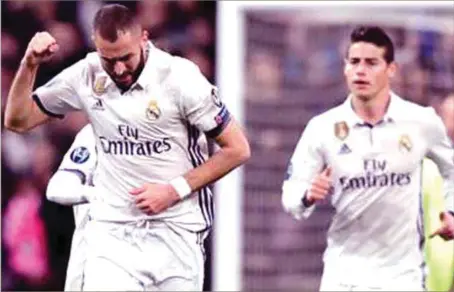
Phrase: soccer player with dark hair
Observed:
(151, 113)
(366, 155)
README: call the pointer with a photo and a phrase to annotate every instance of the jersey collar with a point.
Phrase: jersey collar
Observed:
(391, 115)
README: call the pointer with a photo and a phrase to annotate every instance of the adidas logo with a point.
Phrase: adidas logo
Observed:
(344, 149)
(98, 105)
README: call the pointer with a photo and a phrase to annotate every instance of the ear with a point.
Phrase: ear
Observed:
(94, 37)
(392, 68)
(144, 36)
(345, 66)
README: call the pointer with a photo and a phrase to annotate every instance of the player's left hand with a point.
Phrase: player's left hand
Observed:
(446, 231)
(154, 198)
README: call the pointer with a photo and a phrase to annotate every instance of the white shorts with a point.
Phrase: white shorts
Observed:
(76, 263)
(142, 256)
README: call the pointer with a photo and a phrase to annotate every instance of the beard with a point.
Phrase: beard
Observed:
(135, 74)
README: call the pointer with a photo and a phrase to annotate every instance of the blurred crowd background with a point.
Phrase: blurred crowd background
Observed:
(36, 233)
(294, 71)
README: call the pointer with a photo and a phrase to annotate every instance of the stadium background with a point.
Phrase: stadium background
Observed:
(291, 69)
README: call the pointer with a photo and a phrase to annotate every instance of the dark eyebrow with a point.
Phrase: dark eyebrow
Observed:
(371, 59)
(124, 57)
(366, 59)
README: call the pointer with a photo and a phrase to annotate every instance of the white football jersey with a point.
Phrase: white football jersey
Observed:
(153, 132)
(81, 159)
(376, 234)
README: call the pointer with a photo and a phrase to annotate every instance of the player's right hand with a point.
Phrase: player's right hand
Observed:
(321, 186)
(40, 49)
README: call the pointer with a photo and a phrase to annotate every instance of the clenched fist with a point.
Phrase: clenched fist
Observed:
(40, 49)
(321, 187)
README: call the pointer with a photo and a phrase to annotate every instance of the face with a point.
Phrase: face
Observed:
(123, 59)
(366, 71)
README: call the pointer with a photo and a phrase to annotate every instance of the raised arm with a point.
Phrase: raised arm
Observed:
(22, 113)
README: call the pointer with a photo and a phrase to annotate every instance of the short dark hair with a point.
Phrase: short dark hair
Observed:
(374, 35)
(113, 18)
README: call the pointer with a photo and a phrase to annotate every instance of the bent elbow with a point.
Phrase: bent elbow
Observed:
(291, 202)
(50, 191)
(292, 209)
(243, 154)
(284, 203)
(14, 126)
(18, 130)
(287, 205)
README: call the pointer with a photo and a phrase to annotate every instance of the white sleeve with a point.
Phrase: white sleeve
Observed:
(59, 95)
(200, 101)
(441, 151)
(81, 158)
(306, 162)
(71, 183)
(66, 188)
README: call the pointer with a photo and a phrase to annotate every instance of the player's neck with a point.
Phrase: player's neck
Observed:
(374, 109)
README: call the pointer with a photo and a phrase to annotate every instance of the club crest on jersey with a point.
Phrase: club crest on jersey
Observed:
(99, 87)
(341, 130)
(405, 143)
(153, 112)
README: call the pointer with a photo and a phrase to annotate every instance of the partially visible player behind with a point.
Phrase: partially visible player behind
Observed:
(71, 185)
(439, 253)
(365, 156)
